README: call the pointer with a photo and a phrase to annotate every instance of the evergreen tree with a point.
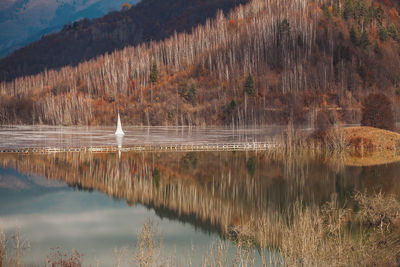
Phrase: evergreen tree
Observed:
(336, 10)
(392, 31)
(383, 33)
(364, 40)
(249, 86)
(154, 74)
(377, 49)
(283, 27)
(188, 94)
(361, 10)
(353, 36)
(348, 10)
(328, 12)
(380, 15)
(371, 13)
(192, 93)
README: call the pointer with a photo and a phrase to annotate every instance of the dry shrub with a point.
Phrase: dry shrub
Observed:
(337, 140)
(217, 255)
(148, 247)
(119, 255)
(379, 211)
(58, 258)
(3, 246)
(360, 143)
(317, 237)
(330, 235)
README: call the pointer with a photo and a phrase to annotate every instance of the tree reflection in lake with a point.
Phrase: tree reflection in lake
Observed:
(213, 191)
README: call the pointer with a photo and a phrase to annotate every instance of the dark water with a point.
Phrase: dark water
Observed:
(97, 202)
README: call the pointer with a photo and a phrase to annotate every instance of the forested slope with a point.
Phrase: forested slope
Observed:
(85, 39)
(269, 61)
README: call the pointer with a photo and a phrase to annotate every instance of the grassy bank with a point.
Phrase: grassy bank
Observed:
(371, 138)
(355, 146)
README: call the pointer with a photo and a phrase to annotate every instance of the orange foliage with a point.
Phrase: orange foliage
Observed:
(126, 6)
(133, 84)
(99, 103)
(387, 3)
(232, 24)
(394, 14)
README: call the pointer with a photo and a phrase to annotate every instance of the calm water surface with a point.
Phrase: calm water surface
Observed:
(97, 202)
(52, 136)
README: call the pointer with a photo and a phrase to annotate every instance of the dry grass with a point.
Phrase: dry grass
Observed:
(368, 146)
(379, 211)
(356, 146)
(3, 246)
(148, 247)
(369, 136)
(12, 249)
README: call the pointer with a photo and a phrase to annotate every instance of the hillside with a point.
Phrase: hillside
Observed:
(85, 39)
(265, 62)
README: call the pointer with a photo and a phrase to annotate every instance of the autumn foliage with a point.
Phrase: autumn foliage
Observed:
(377, 112)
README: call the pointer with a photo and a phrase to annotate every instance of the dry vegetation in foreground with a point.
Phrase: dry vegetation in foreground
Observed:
(331, 235)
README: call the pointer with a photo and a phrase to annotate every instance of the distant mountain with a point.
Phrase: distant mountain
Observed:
(25, 21)
(85, 39)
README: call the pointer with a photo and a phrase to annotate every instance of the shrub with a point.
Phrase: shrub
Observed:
(249, 86)
(383, 34)
(58, 258)
(3, 242)
(154, 74)
(377, 112)
(379, 211)
(393, 33)
(189, 94)
(324, 122)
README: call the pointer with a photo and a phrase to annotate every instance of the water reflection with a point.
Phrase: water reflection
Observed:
(210, 190)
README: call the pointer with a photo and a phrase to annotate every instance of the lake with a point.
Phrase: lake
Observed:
(96, 202)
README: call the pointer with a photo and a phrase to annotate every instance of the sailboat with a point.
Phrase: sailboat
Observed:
(119, 131)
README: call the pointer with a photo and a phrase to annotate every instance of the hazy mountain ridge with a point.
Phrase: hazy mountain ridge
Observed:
(25, 21)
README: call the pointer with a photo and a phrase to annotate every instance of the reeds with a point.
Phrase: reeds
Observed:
(3, 246)
(332, 235)
(148, 247)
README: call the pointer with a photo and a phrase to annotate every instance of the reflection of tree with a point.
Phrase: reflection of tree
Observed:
(211, 190)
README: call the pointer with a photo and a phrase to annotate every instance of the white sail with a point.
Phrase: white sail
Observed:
(119, 127)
